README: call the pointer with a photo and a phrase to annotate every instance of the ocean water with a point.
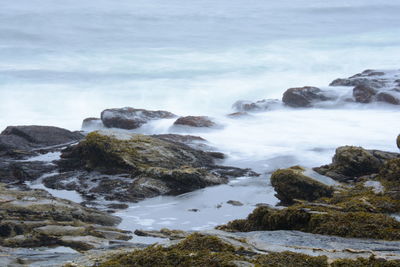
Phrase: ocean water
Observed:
(63, 61)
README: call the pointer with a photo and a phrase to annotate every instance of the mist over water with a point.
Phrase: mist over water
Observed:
(63, 61)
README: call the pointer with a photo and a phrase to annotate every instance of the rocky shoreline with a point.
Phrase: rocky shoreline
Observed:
(348, 206)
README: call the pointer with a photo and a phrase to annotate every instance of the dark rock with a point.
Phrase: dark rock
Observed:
(398, 141)
(21, 171)
(21, 140)
(351, 162)
(364, 94)
(304, 96)
(291, 184)
(389, 97)
(261, 105)
(178, 138)
(367, 78)
(195, 121)
(131, 118)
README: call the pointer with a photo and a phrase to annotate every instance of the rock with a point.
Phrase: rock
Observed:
(258, 106)
(304, 96)
(390, 97)
(195, 121)
(398, 141)
(131, 118)
(291, 184)
(369, 78)
(23, 139)
(319, 221)
(234, 203)
(390, 171)
(350, 162)
(137, 167)
(364, 94)
(163, 233)
(35, 218)
(236, 115)
(92, 124)
(21, 171)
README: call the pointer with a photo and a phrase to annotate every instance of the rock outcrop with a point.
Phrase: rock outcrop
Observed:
(291, 184)
(195, 121)
(350, 162)
(137, 167)
(35, 219)
(131, 118)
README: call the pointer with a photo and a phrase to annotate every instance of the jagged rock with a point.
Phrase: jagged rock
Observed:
(35, 218)
(195, 121)
(350, 162)
(369, 78)
(261, 105)
(291, 184)
(21, 171)
(137, 167)
(364, 94)
(21, 140)
(304, 96)
(131, 118)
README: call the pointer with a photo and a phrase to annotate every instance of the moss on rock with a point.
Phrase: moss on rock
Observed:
(292, 184)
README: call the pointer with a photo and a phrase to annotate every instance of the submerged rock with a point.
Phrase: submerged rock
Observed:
(131, 118)
(22, 140)
(258, 106)
(195, 121)
(291, 184)
(35, 218)
(304, 96)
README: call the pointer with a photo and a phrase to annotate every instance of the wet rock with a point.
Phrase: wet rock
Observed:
(364, 94)
(21, 171)
(304, 96)
(350, 162)
(258, 106)
(185, 139)
(390, 97)
(291, 184)
(236, 115)
(131, 118)
(20, 140)
(92, 124)
(35, 218)
(369, 78)
(137, 167)
(195, 121)
(163, 233)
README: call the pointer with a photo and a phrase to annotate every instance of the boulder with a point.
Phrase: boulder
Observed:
(369, 78)
(195, 121)
(304, 96)
(350, 162)
(364, 94)
(131, 118)
(390, 171)
(23, 139)
(291, 184)
(258, 106)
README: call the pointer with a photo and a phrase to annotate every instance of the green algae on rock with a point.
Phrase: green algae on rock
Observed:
(321, 221)
(131, 167)
(291, 184)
